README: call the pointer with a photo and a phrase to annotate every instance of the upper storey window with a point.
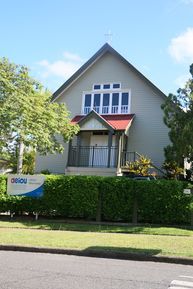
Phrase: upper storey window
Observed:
(97, 86)
(107, 98)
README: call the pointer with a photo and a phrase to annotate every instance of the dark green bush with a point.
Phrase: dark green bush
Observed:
(161, 201)
(117, 199)
(71, 196)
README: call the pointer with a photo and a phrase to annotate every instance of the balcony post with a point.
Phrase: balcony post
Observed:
(120, 148)
(69, 152)
(78, 150)
(110, 136)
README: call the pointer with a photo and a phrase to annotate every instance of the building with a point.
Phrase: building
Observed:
(119, 113)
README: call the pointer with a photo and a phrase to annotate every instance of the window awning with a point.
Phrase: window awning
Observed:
(118, 122)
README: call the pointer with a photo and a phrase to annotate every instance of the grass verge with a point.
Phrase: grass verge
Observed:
(181, 246)
(127, 229)
(153, 241)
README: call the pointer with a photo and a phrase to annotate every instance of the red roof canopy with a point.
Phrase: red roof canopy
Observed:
(116, 121)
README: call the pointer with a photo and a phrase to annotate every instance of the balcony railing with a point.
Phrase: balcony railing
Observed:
(114, 109)
(92, 156)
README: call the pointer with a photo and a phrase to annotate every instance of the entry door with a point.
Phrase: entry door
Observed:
(99, 151)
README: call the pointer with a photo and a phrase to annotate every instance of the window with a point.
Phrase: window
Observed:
(124, 102)
(96, 104)
(87, 103)
(125, 98)
(97, 86)
(105, 108)
(106, 86)
(106, 98)
(116, 85)
(115, 103)
(115, 99)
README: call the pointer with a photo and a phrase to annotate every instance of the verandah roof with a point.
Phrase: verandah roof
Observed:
(116, 121)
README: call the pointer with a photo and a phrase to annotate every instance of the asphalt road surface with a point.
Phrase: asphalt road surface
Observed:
(20, 270)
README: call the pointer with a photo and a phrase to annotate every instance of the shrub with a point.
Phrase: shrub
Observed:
(71, 196)
(117, 198)
(161, 201)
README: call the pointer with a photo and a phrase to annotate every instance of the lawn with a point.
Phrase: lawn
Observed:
(155, 241)
(81, 227)
(135, 243)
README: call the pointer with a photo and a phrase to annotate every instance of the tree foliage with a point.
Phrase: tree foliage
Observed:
(178, 116)
(28, 117)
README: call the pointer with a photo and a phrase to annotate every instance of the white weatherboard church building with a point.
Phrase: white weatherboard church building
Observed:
(119, 113)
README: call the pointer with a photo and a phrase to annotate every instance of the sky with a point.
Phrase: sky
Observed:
(53, 38)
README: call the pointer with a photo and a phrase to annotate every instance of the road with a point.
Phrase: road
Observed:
(19, 270)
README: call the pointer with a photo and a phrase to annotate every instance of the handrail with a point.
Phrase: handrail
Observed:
(151, 163)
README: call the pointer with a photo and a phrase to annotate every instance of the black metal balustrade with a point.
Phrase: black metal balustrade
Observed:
(128, 157)
(92, 156)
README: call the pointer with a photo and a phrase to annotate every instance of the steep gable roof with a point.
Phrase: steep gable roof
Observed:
(103, 50)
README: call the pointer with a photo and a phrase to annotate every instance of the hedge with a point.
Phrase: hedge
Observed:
(106, 199)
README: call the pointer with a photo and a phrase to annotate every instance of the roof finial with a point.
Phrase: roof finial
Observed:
(108, 37)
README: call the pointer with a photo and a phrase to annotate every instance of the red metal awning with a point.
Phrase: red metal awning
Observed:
(116, 121)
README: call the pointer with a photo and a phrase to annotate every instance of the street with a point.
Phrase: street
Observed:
(20, 270)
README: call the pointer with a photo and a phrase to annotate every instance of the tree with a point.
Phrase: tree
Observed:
(28, 117)
(178, 116)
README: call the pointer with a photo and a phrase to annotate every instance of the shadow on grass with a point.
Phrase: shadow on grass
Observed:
(28, 222)
(123, 250)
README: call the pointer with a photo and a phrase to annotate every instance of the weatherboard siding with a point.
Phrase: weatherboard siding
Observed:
(147, 135)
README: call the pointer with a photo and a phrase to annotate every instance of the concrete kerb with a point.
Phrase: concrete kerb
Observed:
(99, 254)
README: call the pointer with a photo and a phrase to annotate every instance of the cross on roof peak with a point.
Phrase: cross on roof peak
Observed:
(108, 36)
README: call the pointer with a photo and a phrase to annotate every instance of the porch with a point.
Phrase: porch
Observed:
(97, 148)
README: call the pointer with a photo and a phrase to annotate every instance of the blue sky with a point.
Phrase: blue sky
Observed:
(54, 38)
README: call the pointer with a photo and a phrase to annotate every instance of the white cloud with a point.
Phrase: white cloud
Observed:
(64, 67)
(181, 80)
(187, 1)
(72, 56)
(181, 47)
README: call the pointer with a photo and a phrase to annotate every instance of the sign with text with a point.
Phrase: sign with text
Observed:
(25, 185)
(187, 191)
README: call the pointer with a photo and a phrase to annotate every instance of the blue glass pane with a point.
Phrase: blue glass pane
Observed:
(116, 85)
(97, 99)
(115, 99)
(106, 99)
(87, 100)
(97, 86)
(125, 98)
(106, 86)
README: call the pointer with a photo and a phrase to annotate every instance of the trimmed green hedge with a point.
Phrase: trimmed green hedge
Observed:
(163, 202)
(105, 198)
(117, 198)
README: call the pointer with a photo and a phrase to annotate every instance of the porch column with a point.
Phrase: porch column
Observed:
(120, 149)
(110, 136)
(78, 150)
(69, 152)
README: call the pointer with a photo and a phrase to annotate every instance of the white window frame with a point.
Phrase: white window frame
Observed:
(110, 91)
